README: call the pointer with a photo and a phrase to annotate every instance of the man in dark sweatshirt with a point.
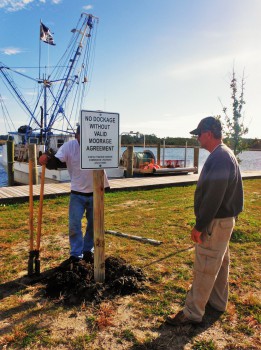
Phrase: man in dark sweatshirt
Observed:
(218, 201)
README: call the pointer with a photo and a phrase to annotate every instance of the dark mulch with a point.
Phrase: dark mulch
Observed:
(73, 283)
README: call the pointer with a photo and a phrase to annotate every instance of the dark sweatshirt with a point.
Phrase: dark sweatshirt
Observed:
(219, 192)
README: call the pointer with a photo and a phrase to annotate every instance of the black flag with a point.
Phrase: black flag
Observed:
(46, 35)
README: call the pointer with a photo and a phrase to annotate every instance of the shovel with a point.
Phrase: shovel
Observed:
(34, 254)
(31, 219)
(39, 226)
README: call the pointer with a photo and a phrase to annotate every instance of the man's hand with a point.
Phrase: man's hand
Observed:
(195, 236)
(43, 159)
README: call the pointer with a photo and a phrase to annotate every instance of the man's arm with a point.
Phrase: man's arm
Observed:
(212, 192)
(51, 161)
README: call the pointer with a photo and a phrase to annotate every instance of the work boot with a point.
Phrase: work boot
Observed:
(180, 319)
(71, 260)
(88, 257)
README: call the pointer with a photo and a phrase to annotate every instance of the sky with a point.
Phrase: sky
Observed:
(161, 64)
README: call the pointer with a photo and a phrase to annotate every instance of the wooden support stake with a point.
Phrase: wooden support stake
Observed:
(158, 153)
(98, 225)
(196, 158)
(135, 238)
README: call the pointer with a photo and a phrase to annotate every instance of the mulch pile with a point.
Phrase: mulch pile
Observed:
(73, 283)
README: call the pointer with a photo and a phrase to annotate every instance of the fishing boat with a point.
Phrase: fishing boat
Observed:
(59, 96)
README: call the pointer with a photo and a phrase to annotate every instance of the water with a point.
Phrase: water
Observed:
(250, 160)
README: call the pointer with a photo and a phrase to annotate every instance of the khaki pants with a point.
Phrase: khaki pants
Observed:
(211, 270)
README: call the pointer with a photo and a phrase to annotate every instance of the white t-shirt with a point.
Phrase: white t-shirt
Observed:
(81, 180)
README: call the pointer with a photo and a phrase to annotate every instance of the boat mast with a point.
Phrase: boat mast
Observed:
(88, 25)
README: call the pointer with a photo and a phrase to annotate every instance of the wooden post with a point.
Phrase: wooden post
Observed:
(163, 157)
(185, 159)
(158, 153)
(10, 161)
(196, 158)
(129, 172)
(32, 156)
(98, 225)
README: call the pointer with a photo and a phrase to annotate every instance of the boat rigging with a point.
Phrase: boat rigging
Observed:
(61, 92)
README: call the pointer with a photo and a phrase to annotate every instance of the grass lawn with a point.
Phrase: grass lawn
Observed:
(30, 321)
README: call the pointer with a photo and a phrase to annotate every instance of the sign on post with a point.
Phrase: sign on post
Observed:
(99, 142)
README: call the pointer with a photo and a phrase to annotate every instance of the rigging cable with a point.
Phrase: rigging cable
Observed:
(7, 119)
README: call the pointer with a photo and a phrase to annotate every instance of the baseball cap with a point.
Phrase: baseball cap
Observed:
(208, 124)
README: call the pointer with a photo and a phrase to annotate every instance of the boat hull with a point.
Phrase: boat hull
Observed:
(21, 172)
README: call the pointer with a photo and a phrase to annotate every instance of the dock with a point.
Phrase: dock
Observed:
(20, 194)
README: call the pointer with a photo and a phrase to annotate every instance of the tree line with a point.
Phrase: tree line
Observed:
(152, 140)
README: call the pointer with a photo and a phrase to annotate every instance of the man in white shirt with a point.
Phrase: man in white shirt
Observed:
(81, 197)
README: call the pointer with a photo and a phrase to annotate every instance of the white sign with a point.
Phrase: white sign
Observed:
(99, 140)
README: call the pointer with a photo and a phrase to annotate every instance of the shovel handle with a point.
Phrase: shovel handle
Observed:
(31, 205)
(40, 211)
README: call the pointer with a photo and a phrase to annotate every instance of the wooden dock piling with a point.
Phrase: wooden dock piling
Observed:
(10, 162)
(129, 170)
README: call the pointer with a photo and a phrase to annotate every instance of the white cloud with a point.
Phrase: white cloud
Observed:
(3, 98)
(20, 70)
(87, 7)
(18, 5)
(10, 51)
(195, 68)
(31, 93)
(14, 5)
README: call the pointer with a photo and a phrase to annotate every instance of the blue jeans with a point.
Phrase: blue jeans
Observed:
(78, 205)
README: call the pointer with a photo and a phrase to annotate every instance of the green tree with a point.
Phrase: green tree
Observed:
(234, 126)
